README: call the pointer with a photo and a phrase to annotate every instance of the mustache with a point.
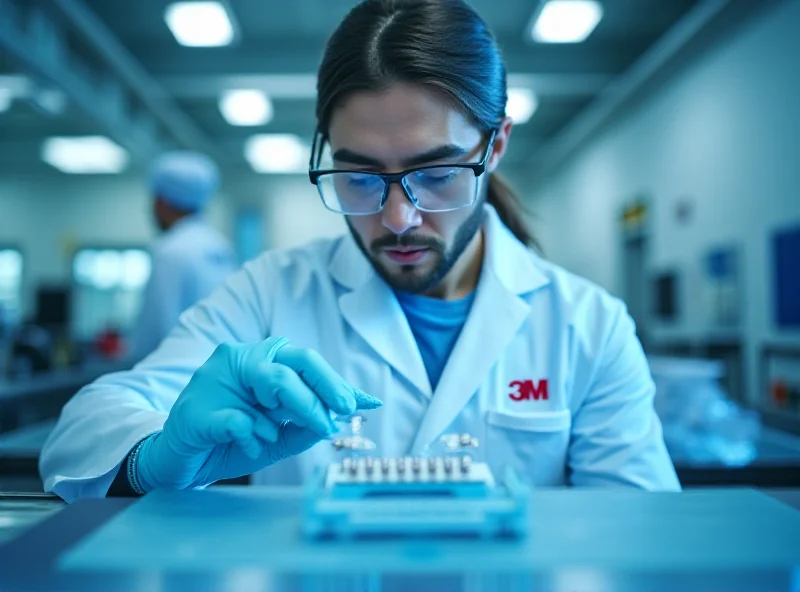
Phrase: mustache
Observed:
(406, 240)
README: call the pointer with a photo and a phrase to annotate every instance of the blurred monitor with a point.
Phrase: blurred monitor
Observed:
(52, 306)
(108, 285)
(786, 253)
(666, 296)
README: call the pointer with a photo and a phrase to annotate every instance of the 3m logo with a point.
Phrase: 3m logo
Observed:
(526, 390)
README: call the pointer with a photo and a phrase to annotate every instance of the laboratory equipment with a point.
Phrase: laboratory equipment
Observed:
(443, 492)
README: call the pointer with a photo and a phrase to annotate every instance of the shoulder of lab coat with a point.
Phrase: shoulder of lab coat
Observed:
(616, 435)
(188, 262)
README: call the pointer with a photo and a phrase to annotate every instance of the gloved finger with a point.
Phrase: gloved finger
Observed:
(266, 429)
(281, 415)
(234, 425)
(324, 381)
(275, 385)
(365, 401)
(293, 440)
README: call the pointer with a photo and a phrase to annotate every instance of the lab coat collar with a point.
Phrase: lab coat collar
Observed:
(372, 310)
(508, 272)
(508, 275)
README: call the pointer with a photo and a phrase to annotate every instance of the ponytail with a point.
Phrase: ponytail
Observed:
(510, 209)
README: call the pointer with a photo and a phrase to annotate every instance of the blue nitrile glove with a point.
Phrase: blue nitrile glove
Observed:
(247, 407)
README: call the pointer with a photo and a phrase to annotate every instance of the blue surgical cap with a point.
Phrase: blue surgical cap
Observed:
(185, 180)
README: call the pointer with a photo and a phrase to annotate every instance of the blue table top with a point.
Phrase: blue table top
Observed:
(232, 538)
(603, 529)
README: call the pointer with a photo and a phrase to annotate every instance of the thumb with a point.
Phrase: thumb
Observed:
(234, 425)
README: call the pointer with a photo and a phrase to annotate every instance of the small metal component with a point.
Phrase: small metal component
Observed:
(450, 442)
(369, 465)
(347, 464)
(354, 467)
(466, 463)
(355, 424)
(454, 443)
(401, 465)
(385, 465)
(353, 443)
(432, 465)
(448, 464)
(468, 441)
(416, 465)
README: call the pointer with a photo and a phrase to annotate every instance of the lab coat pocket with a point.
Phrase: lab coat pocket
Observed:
(535, 444)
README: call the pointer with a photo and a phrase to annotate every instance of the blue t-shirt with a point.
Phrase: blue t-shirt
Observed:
(436, 325)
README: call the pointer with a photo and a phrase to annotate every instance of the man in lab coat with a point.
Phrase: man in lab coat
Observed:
(434, 303)
(191, 258)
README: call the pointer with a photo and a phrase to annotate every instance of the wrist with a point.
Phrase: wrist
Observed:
(140, 476)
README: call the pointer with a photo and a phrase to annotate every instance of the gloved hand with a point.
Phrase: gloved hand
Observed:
(247, 407)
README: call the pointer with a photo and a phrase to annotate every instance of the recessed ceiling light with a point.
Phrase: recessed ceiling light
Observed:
(199, 24)
(521, 105)
(277, 153)
(566, 21)
(246, 107)
(84, 155)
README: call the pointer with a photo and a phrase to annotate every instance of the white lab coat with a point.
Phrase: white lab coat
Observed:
(189, 261)
(530, 320)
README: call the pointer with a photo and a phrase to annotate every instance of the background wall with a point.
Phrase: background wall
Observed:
(723, 135)
(47, 218)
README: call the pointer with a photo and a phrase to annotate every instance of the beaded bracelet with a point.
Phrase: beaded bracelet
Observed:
(133, 476)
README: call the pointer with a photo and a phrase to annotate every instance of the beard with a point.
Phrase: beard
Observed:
(410, 278)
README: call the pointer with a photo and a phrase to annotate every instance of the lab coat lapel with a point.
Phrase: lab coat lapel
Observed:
(498, 311)
(371, 309)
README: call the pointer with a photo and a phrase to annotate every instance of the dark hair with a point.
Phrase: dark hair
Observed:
(442, 44)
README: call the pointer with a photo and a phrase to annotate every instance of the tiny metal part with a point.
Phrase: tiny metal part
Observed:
(432, 465)
(448, 464)
(347, 464)
(401, 465)
(385, 464)
(466, 463)
(415, 465)
(355, 424)
(353, 443)
(354, 467)
(450, 442)
(369, 464)
(467, 441)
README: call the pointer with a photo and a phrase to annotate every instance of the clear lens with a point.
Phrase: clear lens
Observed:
(434, 189)
(439, 189)
(351, 193)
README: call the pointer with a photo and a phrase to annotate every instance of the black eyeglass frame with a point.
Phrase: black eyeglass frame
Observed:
(478, 168)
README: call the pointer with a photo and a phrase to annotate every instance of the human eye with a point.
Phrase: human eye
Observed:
(437, 176)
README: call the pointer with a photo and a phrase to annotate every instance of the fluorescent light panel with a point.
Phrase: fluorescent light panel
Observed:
(246, 107)
(199, 24)
(566, 21)
(277, 153)
(84, 155)
(521, 105)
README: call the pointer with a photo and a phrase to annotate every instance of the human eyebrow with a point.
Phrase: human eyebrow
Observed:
(447, 151)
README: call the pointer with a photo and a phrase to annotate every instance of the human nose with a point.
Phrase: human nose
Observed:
(399, 215)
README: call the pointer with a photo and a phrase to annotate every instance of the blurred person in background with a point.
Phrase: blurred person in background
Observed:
(435, 302)
(191, 257)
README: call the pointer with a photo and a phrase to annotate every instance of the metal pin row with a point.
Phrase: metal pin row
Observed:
(405, 465)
